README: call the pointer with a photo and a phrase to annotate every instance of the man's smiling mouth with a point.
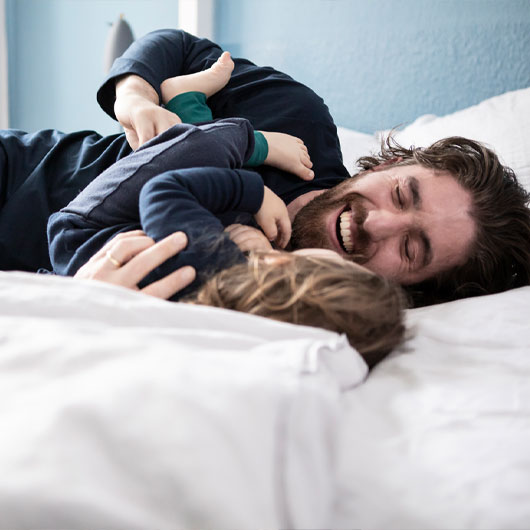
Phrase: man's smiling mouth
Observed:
(344, 231)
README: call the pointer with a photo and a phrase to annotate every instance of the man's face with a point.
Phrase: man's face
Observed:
(407, 223)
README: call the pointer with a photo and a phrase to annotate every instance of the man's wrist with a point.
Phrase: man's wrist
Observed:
(137, 86)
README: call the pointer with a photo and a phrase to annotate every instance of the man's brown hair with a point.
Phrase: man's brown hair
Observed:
(499, 258)
(336, 295)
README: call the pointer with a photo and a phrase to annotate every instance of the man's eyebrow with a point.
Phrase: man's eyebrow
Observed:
(414, 187)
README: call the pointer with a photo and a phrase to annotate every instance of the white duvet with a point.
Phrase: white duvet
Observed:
(439, 434)
(118, 410)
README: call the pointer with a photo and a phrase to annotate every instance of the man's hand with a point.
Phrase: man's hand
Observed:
(274, 218)
(288, 153)
(138, 111)
(248, 238)
(129, 257)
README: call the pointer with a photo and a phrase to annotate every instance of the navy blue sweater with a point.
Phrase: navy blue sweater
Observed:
(41, 173)
(138, 192)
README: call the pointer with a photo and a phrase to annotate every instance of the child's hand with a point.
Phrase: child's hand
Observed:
(274, 219)
(288, 153)
(248, 238)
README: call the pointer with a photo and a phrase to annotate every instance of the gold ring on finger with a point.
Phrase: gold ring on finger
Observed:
(113, 260)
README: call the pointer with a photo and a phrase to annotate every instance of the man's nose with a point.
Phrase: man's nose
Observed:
(382, 224)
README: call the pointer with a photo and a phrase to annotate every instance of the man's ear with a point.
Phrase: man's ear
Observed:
(387, 163)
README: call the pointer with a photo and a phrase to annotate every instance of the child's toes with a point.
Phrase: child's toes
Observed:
(305, 173)
(306, 160)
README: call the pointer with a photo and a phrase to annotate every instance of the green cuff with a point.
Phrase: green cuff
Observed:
(261, 150)
(190, 107)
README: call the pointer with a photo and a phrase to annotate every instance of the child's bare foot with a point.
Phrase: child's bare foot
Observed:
(208, 81)
(288, 153)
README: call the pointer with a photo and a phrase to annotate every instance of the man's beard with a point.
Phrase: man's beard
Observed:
(309, 229)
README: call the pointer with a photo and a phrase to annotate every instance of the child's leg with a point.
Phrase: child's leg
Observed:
(186, 95)
(190, 107)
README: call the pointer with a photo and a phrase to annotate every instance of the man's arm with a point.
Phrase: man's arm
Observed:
(131, 92)
(137, 109)
(155, 57)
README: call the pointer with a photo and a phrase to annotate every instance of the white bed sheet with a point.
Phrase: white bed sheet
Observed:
(439, 434)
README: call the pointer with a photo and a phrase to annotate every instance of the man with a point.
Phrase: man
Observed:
(274, 101)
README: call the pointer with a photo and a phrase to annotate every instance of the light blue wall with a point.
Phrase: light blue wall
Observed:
(381, 63)
(56, 50)
(377, 63)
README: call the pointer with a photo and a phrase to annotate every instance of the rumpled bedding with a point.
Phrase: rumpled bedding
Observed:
(118, 410)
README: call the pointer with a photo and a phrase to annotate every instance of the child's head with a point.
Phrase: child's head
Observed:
(333, 294)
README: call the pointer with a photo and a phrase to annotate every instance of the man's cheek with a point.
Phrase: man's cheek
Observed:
(382, 262)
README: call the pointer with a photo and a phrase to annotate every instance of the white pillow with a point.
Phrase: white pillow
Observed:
(501, 122)
(355, 144)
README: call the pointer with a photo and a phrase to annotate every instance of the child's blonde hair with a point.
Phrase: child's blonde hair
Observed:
(332, 294)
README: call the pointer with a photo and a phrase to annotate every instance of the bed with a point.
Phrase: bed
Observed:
(119, 410)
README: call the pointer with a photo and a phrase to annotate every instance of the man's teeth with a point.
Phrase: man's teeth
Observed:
(345, 230)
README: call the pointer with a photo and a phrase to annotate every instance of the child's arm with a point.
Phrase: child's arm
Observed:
(189, 200)
(193, 196)
(109, 205)
(274, 221)
(274, 218)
